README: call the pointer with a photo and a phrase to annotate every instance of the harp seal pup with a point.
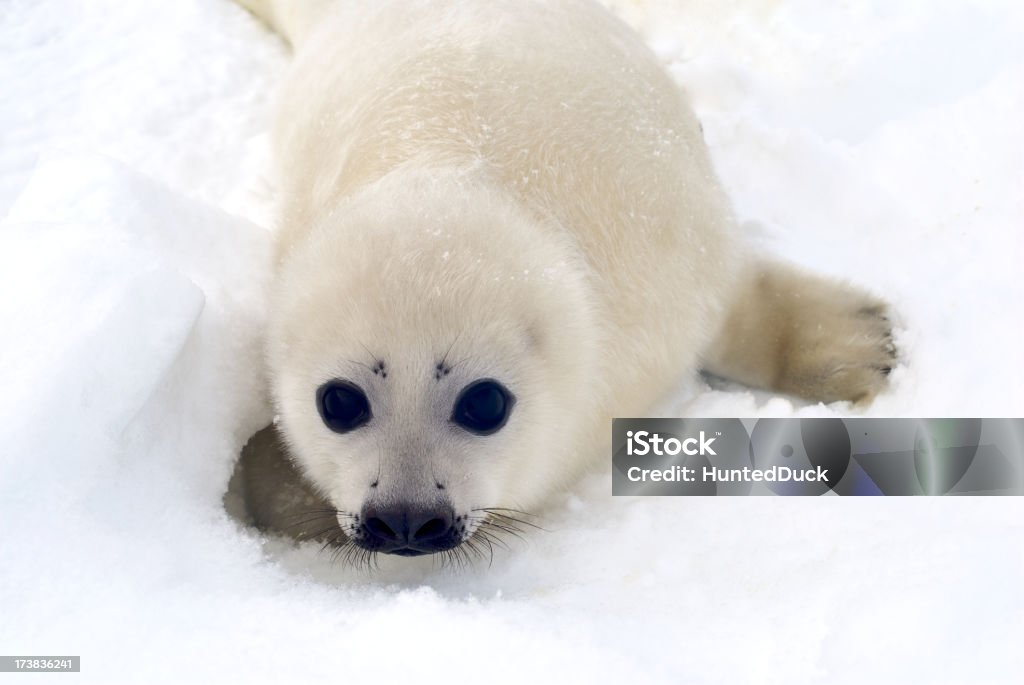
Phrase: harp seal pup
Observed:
(500, 229)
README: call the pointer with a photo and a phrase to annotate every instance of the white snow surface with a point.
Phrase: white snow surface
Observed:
(876, 141)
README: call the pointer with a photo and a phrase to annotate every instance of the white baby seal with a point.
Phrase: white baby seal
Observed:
(501, 229)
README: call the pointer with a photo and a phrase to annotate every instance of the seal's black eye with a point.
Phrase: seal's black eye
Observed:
(483, 407)
(342, 405)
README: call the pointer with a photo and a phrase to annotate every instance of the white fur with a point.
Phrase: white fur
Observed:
(516, 184)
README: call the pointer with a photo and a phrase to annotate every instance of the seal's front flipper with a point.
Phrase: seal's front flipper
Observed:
(268, 491)
(804, 335)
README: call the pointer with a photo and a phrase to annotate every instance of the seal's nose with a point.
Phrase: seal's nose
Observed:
(408, 530)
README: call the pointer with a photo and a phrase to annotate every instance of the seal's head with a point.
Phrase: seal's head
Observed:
(432, 357)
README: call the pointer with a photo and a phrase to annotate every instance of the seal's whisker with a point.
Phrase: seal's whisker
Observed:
(514, 511)
(473, 548)
(479, 552)
(318, 511)
(468, 561)
(339, 549)
(363, 560)
(490, 550)
(464, 360)
(516, 523)
(327, 543)
(444, 359)
(314, 536)
(312, 519)
(492, 539)
(507, 531)
(351, 555)
(500, 514)
(370, 354)
(359, 363)
(499, 524)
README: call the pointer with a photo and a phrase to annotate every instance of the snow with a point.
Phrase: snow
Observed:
(876, 141)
